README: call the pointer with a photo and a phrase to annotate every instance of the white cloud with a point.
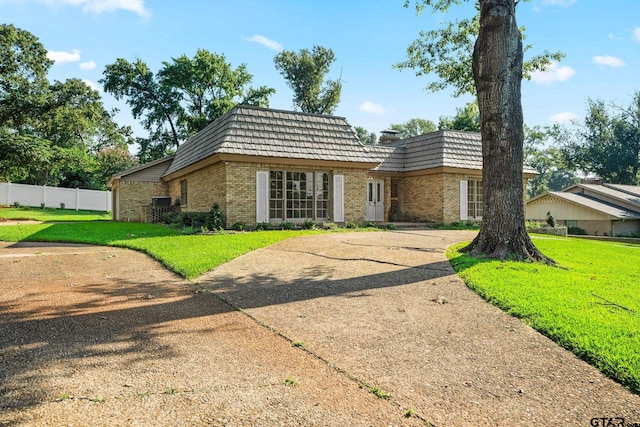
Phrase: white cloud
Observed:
(554, 73)
(561, 3)
(89, 65)
(91, 84)
(609, 61)
(271, 44)
(371, 108)
(60, 56)
(98, 6)
(565, 117)
(636, 34)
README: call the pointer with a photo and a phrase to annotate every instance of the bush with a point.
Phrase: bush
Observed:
(308, 224)
(262, 226)
(551, 220)
(214, 219)
(330, 226)
(391, 226)
(62, 205)
(171, 218)
(351, 224)
(16, 204)
(239, 226)
(286, 225)
(576, 230)
(193, 219)
(42, 205)
(369, 224)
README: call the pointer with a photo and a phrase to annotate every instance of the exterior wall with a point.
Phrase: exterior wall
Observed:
(626, 228)
(432, 198)
(233, 187)
(205, 187)
(561, 209)
(133, 195)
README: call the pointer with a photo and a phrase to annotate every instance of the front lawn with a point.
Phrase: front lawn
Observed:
(52, 215)
(592, 307)
(189, 256)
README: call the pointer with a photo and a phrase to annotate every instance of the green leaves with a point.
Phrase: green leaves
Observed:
(304, 72)
(414, 127)
(447, 51)
(182, 98)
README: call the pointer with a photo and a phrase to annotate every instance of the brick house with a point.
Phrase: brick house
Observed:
(264, 165)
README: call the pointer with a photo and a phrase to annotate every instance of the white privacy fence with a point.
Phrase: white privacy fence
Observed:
(52, 197)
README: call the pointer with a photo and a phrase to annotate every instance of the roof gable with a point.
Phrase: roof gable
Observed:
(255, 131)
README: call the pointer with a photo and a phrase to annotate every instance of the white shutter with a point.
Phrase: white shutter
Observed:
(262, 197)
(464, 192)
(338, 198)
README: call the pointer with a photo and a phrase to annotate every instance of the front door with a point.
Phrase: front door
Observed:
(375, 200)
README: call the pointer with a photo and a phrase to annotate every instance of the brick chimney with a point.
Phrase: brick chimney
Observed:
(591, 180)
(388, 136)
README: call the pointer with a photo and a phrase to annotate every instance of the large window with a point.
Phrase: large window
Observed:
(297, 195)
(474, 199)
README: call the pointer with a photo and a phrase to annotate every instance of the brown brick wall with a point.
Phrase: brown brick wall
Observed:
(433, 198)
(135, 194)
(235, 189)
(205, 187)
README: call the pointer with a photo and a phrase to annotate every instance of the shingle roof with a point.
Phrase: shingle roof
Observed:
(624, 193)
(264, 132)
(597, 205)
(443, 148)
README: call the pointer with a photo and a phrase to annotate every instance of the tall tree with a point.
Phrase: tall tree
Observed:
(182, 98)
(365, 136)
(209, 87)
(466, 118)
(304, 72)
(414, 127)
(156, 104)
(607, 144)
(497, 72)
(548, 160)
(497, 67)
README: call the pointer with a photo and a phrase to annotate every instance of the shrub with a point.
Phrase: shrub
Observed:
(239, 226)
(286, 225)
(215, 218)
(62, 205)
(391, 226)
(551, 220)
(330, 226)
(351, 224)
(576, 230)
(171, 218)
(369, 224)
(16, 204)
(262, 226)
(42, 205)
(308, 224)
(188, 230)
(193, 219)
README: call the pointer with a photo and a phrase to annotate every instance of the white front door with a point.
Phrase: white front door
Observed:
(375, 200)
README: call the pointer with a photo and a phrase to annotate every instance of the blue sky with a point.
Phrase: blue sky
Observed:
(600, 38)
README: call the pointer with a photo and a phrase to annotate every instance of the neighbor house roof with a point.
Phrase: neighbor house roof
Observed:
(590, 203)
(254, 131)
(626, 195)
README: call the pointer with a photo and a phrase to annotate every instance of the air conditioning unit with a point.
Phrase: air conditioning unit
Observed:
(161, 201)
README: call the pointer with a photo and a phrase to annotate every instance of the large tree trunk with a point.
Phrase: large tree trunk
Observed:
(497, 70)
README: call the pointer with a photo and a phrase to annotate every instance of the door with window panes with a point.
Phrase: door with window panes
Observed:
(375, 200)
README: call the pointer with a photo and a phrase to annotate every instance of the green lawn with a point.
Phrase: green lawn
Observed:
(591, 307)
(189, 256)
(49, 215)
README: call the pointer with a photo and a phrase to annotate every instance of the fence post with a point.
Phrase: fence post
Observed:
(44, 195)
(77, 198)
(8, 194)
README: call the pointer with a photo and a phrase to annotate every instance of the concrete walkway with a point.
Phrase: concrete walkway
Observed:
(387, 310)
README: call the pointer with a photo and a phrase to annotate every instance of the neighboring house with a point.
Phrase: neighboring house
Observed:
(598, 209)
(262, 165)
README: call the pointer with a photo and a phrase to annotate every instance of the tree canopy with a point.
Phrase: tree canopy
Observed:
(50, 133)
(466, 118)
(305, 72)
(447, 51)
(607, 143)
(180, 99)
(414, 127)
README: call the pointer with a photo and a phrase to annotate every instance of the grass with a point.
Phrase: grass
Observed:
(290, 381)
(189, 256)
(591, 306)
(56, 215)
